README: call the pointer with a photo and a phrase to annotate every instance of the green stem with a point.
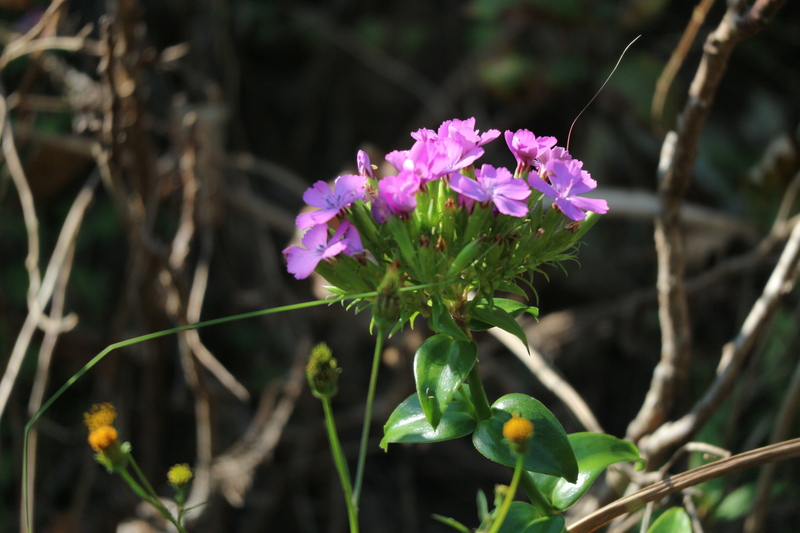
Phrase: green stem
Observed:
(512, 491)
(536, 497)
(373, 380)
(479, 399)
(144, 495)
(142, 479)
(341, 465)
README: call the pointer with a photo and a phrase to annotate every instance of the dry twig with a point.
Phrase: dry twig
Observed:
(769, 454)
(677, 161)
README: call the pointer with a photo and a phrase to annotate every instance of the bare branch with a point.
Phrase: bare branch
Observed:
(678, 156)
(769, 454)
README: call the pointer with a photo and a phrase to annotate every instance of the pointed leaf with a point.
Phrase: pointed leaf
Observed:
(484, 317)
(594, 452)
(441, 321)
(675, 520)
(441, 365)
(455, 524)
(408, 423)
(523, 518)
(549, 452)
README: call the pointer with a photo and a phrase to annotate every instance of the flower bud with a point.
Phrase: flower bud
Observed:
(386, 310)
(179, 475)
(321, 372)
(518, 431)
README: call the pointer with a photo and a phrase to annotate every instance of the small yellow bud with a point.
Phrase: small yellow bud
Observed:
(179, 475)
(103, 438)
(100, 414)
(518, 432)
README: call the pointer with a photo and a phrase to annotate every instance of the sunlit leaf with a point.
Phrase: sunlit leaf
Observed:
(408, 423)
(441, 365)
(594, 452)
(549, 451)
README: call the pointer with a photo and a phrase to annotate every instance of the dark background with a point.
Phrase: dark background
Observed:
(287, 92)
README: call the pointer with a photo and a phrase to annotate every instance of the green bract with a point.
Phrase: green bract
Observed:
(453, 254)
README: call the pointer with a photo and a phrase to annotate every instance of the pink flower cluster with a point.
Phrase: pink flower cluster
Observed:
(448, 154)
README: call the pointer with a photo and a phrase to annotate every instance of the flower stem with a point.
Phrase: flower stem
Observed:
(539, 500)
(362, 449)
(341, 465)
(479, 399)
(512, 491)
(142, 479)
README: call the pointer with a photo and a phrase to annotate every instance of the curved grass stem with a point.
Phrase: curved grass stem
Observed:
(362, 449)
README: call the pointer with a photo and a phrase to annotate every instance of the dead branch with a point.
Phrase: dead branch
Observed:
(678, 155)
(768, 454)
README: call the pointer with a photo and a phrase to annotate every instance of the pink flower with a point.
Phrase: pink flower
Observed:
(301, 261)
(346, 190)
(495, 185)
(566, 180)
(527, 147)
(397, 195)
(364, 164)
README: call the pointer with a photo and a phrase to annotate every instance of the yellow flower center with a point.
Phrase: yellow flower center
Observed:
(102, 438)
(179, 475)
(518, 429)
(100, 414)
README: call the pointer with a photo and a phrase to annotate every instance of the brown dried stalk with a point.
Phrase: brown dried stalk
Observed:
(768, 454)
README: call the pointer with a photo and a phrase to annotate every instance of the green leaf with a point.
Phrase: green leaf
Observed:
(549, 451)
(594, 452)
(523, 518)
(408, 423)
(441, 321)
(484, 317)
(441, 365)
(675, 520)
(455, 524)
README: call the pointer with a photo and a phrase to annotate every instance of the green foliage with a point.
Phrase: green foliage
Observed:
(441, 365)
(549, 452)
(408, 423)
(675, 520)
(594, 453)
(524, 518)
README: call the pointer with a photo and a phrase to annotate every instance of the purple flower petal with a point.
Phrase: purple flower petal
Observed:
(301, 261)
(566, 181)
(330, 201)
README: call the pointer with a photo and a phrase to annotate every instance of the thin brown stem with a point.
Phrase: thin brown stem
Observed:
(768, 454)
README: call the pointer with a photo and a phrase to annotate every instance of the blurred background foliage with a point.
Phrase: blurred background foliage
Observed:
(289, 90)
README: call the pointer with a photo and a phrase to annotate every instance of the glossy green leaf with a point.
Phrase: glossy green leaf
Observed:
(408, 423)
(594, 452)
(484, 316)
(441, 365)
(675, 520)
(549, 451)
(523, 518)
(442, 322)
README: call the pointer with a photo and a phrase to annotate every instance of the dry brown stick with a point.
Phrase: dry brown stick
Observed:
(781, 281)
(550, 379)
(675, 61)
(39, 292)
(53, 330)
(678, 156)
(768, 454)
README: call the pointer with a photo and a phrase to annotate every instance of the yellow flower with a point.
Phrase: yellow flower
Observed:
(101, 414)
(102, 438)
(518, 431)
(179, 475)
